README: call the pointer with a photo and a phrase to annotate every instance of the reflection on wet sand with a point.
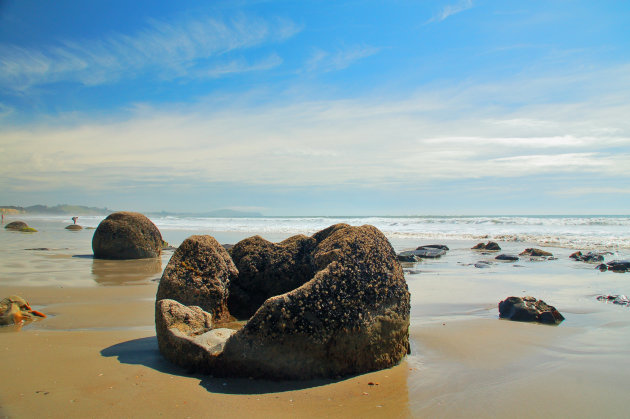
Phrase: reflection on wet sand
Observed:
(121, 272)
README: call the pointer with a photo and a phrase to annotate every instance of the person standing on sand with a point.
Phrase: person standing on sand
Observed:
(74, 219)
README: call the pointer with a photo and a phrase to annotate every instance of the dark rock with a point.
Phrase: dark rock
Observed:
(74, 227)
(199, 274)
(510, 258)
(16, 225)
(126, 235)
(343, 309)
(403, 257)
(591, 257)
(536, 253)
(487, 246)
(433, 246)
(430, 253)
(615, 299)
(602, 267)
(529, 309)
(619, 266)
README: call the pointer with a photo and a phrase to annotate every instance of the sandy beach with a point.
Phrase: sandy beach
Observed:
(95, 355)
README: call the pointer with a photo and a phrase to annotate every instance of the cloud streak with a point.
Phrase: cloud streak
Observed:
(171, 50)
(452, 9)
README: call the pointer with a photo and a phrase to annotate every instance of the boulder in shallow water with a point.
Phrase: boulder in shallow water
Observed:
(74, 227)
(590, 257)
(615, 299)
(619, 266)
(20, 226)
(343, 309)
(491, 246)
(536, 253)
(507, 258)
(126, 235)
(529, 309)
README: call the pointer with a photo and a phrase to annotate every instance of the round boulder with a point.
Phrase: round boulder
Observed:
(336, 304)
(126, 235)
(16, 225)
(74, 227)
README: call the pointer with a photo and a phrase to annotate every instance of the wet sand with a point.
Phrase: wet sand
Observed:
(96, 354)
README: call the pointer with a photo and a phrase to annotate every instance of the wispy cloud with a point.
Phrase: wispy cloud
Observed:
(169, 50)
(451, 9)
(325, 61)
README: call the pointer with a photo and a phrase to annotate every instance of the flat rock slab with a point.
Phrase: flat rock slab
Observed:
(430, 253)
(508, 258)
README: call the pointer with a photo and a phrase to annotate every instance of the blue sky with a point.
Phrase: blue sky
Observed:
(317, 107)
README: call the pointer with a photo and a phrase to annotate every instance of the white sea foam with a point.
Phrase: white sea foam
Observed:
(578, 232)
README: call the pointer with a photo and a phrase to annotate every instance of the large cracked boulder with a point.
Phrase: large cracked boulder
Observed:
(126, 235)
(335, 304)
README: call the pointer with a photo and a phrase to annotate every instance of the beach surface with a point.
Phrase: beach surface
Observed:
(96, 355)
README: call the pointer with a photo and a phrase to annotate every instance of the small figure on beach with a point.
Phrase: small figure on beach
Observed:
(74, 219)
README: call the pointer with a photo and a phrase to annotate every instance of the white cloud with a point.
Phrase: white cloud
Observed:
(452, 9)
(172, 50)
(325, 61)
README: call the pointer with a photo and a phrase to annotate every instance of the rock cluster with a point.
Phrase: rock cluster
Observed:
(430, 251)
(529, 309)
(329, 305)
(621, 300)
(126, 235)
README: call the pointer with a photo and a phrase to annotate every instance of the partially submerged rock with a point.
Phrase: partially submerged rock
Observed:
(507, 258)
(15, 310)
(621, 300)
(591, 257)
(620, 266)
(529, 309)
(74, 227)
(419, 253)
(492, 246)
(536, 253)
(20, 226)
(126, 235)
(342, 308)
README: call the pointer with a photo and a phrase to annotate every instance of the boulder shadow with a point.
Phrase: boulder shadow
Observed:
(145, 352)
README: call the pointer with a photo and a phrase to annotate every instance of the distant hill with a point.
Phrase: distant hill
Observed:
(56, 210)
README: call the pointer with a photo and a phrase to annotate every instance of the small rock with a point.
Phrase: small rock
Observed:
(433, 246)
(591, 257)
(536, 253)
(619, 266)
(529, 309)
(488, 246)
(615, 299)
(510, 258)
(74, 227)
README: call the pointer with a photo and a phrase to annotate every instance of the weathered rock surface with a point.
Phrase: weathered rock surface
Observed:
(126, 235)
(591, 257)
(74, 227)
(343, 308)
(529, 309)
(536, 253)
(433, 246)
(15, 310)
(419, 253)
(505, 257)
(199, 274)
(493, 246)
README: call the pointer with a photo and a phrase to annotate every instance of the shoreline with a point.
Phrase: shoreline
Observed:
(96, 354)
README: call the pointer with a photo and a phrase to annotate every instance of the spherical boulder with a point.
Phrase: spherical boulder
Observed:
(16, 225)
(342, 308)
(126, 235)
